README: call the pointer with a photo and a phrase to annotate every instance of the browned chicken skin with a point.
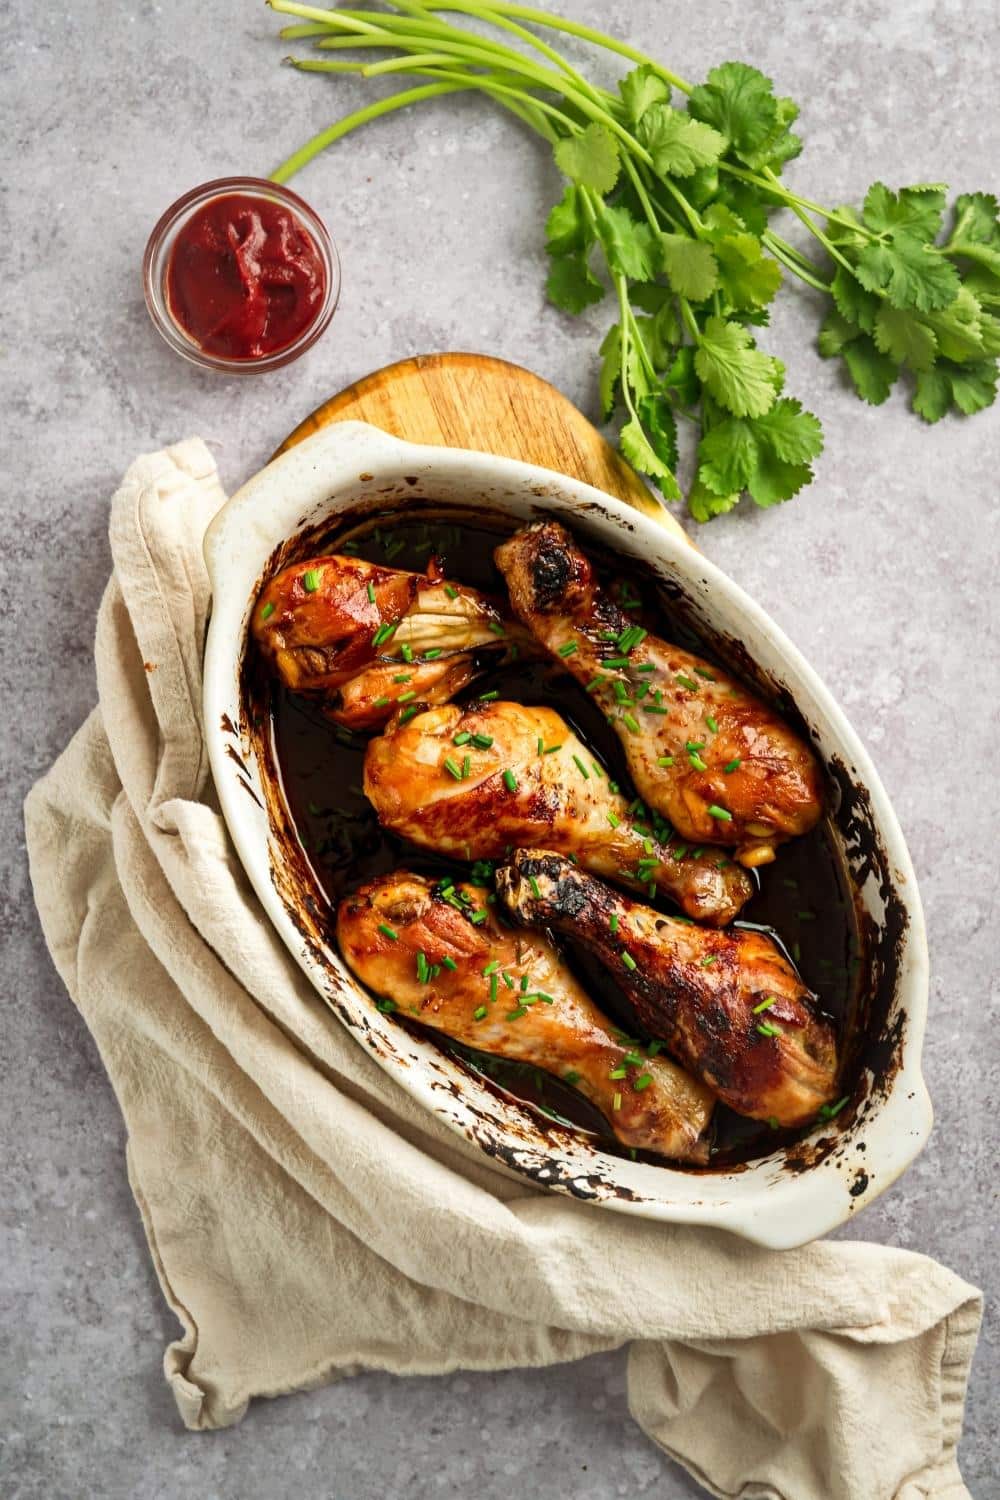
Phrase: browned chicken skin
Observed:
(422, 949)
(728, 1005)
(368, 639)
(473, 782)
(702, 750)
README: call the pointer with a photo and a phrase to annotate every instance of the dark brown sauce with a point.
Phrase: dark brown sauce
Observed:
(804, 901)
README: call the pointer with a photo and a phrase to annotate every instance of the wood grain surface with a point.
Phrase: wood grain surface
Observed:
(476, 401)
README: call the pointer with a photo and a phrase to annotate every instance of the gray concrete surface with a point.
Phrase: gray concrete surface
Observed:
(884, 572)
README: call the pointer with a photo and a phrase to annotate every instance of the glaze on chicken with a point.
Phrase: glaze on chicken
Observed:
(729, 1007)
(703, 751)
(368, 639)
(473, 782)
(443, 958)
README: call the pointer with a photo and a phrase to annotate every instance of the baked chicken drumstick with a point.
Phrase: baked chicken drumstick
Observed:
(702, 750)
(443, 958)
(727, 1004)
(473, 782)
(366, 638)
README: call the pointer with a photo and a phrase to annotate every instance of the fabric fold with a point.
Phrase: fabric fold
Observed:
(308, 1220)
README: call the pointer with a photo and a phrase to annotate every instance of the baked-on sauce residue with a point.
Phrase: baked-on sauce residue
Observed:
(804, 900)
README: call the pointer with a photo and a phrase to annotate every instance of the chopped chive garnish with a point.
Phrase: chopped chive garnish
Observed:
(389, 932)
(704, 672)
(508, 981)
(466, 766)
(538, 746)
(461, 739)
(402, 677)
(478, 917)
(654, 708)
(713, 726)
(515, 1015)
(451, 591)
(647, 666)
(408, 713)
(613, 923)
(621, 693)
(571, 1077)
(433, 654)
(568, 647)
(597, 770)
(690, 745)
(452, 768)
(551, 749)
(654, 1048)
(534, 888)
(479, 1013)
(489, 697)
(371, 593)
(827, 1111)
(595, 682)
(385, 1006)
(630, 723)
(766, 1029)
(618, 1073)
(643, 1081)
(381, 702)
(422, 967)
(482, 741)
(613, 819)
(616, 1102)
(510, 780)
(696, 761)
(664, 760)
(765, 1004)
(679, 852)
(407, 651)
(708, 960)
(449, 963)
(715, 811)
(806, 916)
(732, 765)
(267, 611)
(685, 682)
(635, 1059)
(496, 627)
(628, 960)
(310, 580)
(615, 661)
(493, 988)
(407, 696)
(773, 1123)
(525, 982)
(384, 632)
(581, 768)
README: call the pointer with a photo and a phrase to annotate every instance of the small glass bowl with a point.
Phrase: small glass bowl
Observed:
(157, 258)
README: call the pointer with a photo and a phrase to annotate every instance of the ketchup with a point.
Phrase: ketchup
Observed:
(245, 278)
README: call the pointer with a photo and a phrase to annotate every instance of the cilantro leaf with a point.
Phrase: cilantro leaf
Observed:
(567, 226)
(872, 372)
(853, 302)
(703, 503)
(905, 338)
(973, 386)
(641, 455)
(791, 434)
(958, 328)
(746, 202)
(590, 158)
(735, 373)
(774, 480)
(572, 285)
(702, 186)
(989, 333)
(678, 144)
(728, 455)
(918, 210)
(641, 88)
(658, 419)
(682, 378)
(749, 278)
(689, 265)
(910, 273)
(630, 246)
(611, 369)
(932, 398)
(835, 334)
(659, 334)
(976, 220)
(739, 102)
(779, 145)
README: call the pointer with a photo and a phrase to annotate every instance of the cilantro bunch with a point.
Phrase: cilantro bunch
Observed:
(671, 190)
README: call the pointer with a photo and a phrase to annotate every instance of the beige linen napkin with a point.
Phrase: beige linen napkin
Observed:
(308, 1220)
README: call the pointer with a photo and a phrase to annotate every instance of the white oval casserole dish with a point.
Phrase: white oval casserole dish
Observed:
(784, 1199)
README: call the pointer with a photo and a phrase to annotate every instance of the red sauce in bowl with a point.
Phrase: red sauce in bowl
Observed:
(245, 278)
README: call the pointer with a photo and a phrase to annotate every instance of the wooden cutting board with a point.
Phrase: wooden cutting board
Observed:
(476, 401)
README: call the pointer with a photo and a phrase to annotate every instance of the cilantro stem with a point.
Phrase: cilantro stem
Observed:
(783, 252)
(689, 319)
